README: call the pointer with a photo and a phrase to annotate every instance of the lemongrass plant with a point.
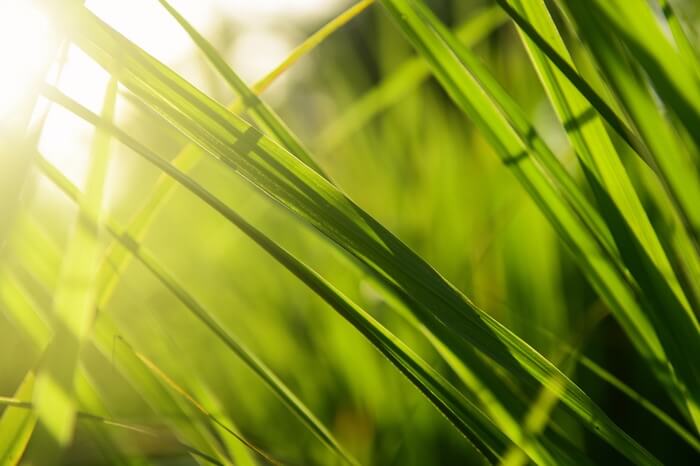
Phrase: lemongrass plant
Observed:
(468, 235)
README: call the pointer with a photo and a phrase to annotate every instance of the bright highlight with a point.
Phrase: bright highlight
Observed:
(25, 48)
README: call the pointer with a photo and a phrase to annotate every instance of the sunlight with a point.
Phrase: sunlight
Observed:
(147, 24)
(271, 48)
(274, 11)
(65, 139)
(25, 47)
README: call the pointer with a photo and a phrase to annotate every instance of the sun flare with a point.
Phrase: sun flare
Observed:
(25, 49)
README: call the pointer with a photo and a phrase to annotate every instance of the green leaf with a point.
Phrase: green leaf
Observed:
(27, 406)
(41, 251)
(466, 416)
(226, 336)
(73, 310)
(620, 204)
(189, 156)
(17, 425)
(260, 111)
(402, 80)
(621, 44)
(586, 131)
(683, 42)
(677, 326)
(305, 193)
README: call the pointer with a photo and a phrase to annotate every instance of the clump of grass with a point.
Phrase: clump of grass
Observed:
(621, 200)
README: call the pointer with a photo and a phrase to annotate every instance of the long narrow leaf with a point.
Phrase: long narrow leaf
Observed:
(304, 192)
(405, 78)
(73, 309)
(17, 425)
(678, 328)
(230, 340)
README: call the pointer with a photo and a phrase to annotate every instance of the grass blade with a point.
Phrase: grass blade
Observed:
(41, 261)
(312, 42)
(673, 164)
(302, 191)
(459, 410)
(74, 308)
(250, 100)
(611, 116)
(587, 133)
(28, 406)
(263, 115)
(405, 78)
(678, 329)
(683, 43)
(181, 391)
(230, 340)
(17, 425)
